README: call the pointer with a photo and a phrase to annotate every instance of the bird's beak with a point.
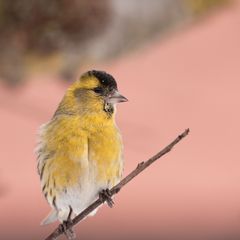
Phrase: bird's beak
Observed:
(116, 97)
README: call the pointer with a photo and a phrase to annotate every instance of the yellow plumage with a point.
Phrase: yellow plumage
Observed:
(80, 149)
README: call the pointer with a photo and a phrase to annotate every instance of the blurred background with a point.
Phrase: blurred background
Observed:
(177, 61)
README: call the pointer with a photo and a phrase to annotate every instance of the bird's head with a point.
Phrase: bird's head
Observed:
(95, 91)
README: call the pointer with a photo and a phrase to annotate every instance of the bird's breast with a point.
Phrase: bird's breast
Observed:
(105, 154)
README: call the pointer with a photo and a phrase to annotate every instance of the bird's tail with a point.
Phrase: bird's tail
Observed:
(51, 217)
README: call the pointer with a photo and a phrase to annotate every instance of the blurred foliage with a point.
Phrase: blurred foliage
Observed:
(43, 28)
(201, 6)
(46, 26)
(61, 35)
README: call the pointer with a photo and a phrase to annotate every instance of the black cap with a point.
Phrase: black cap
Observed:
(105, 79)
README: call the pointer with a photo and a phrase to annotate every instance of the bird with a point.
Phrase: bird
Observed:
(80, 150)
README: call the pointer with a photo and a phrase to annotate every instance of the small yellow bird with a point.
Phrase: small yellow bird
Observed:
(80, 148)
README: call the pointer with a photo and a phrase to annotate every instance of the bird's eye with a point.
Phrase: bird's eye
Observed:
(98, 90)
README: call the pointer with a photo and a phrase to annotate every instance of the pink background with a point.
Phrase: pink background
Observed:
(191, 79)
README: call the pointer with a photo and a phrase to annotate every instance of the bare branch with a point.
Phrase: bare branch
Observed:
(141, 166)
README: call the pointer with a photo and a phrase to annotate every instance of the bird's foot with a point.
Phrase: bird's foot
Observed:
(105, 195)
(68, 231)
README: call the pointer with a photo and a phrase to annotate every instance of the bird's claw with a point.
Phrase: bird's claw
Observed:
(105, 195)
(68, 231)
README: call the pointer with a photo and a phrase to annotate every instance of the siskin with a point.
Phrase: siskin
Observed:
(80, 148)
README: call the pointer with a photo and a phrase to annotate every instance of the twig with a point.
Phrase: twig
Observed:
(141, 166)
